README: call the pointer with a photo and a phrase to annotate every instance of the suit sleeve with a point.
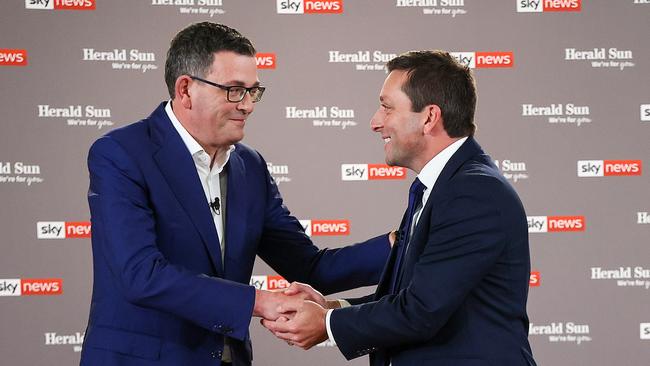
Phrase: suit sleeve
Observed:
(466, 237)
(124, 240)
(289, 251)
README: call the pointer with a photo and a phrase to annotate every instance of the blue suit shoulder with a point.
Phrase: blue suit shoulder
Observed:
(249, 154)
(479, 177)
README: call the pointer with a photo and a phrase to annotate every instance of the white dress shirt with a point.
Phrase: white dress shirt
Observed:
(428, 176)
(209, 176)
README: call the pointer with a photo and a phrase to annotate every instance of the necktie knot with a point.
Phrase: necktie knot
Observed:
(415, 192)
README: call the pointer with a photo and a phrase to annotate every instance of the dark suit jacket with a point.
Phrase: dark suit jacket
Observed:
(461, 296)
(161, 295)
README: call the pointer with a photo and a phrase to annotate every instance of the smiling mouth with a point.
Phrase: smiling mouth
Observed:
(386, 140)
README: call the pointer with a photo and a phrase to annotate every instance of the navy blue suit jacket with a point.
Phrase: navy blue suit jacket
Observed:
(460, 299)
(161, 295)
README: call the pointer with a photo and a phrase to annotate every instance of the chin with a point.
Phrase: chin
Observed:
(236, 137)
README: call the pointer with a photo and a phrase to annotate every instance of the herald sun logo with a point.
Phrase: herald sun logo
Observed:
(535, 279)
(62, 230)
(562, 332)
(482, 60)
(512, 170)
(549, 224)
(31, 286)
(60, 4)
(265, 60)
(309, 6)
(538, 6)
(645, 112)
(606, 168)
(371, 172)
(269, 282)
(13, 57)
(326, 227)
(75, 340)
(643, 217)
(280, 173)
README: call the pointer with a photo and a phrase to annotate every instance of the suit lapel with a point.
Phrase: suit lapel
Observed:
(418, 239)
(176, 164)
(421, 233)
(236, 203)
(383, 287)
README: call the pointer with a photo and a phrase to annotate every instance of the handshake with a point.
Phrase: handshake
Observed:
(295, 315)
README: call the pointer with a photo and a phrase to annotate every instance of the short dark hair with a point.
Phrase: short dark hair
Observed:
(436, 77)
(192, 50)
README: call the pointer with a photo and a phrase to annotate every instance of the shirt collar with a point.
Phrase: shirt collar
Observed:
(431, 171)
(192, 145)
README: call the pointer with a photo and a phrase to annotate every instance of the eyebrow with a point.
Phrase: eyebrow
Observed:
(240, 83)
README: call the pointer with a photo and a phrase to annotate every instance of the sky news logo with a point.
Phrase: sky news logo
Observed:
(309, 6)
(553, 224)
(265, 60)
(535, 279)
(60, 4)
(645, 112)
(607, 168)
(539, 6)
(326, 227)
(269, 283)
(645, 331)
(31, 286)
(371, 172)
(62, 230)
(13, 57)
(485, 60)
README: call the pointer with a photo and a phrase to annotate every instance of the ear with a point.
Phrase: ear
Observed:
(182, 91)
(432, 118)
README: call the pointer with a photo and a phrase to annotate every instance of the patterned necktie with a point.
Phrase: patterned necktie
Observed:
(415, 198)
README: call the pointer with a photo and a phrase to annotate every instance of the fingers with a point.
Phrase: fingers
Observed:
(305, 292)
(294, 288)
(277, 327)
(289, 306)
(290, 332)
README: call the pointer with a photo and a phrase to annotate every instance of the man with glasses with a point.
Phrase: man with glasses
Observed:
(180, 209)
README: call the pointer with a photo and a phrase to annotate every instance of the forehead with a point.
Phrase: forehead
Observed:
(228, 66)
(392, 89)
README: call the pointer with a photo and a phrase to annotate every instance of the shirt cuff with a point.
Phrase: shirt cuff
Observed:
(342, 303)
(327, 325)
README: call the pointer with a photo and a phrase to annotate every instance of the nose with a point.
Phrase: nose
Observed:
(246, 104)
(376, 123)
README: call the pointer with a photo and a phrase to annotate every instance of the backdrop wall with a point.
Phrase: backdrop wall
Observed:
(564, 109)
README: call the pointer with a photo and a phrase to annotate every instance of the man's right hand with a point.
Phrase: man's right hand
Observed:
(305, 292)
(267, 303)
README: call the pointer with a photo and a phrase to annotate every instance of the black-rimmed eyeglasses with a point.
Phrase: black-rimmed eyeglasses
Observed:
(236, 93)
